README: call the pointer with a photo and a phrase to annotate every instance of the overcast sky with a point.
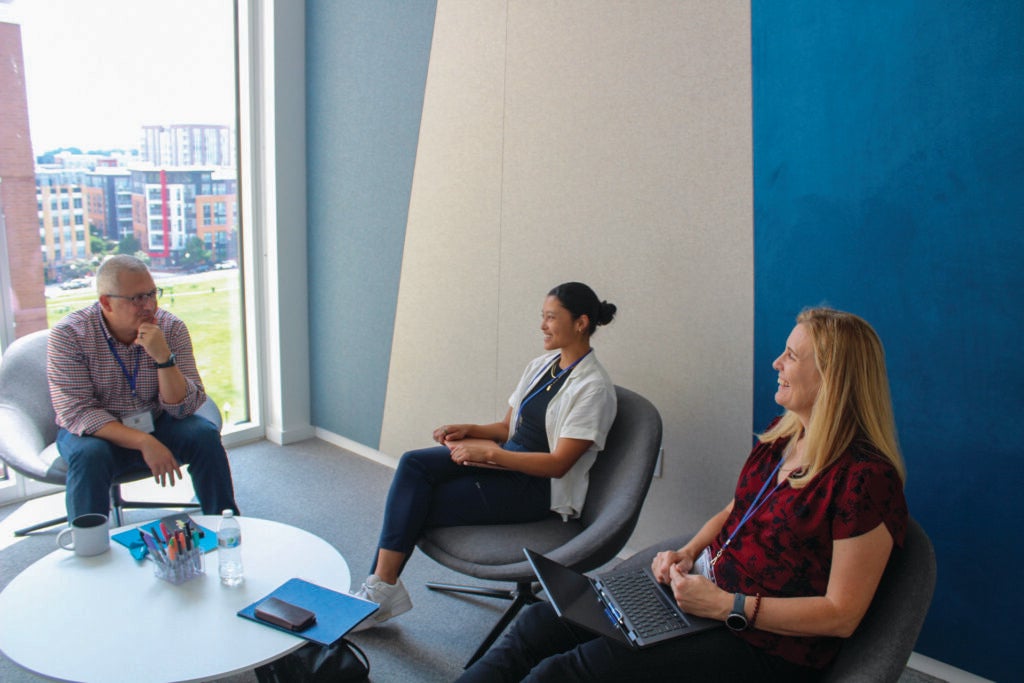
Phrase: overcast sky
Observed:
(96, 71)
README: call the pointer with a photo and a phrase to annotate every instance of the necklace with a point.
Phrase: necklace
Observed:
(554, 376)
(796, 471)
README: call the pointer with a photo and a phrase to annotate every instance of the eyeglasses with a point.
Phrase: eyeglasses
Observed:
(140, 299)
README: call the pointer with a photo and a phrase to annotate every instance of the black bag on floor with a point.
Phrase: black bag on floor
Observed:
(314, 663)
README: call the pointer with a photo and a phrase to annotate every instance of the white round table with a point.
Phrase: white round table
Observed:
(107, 618)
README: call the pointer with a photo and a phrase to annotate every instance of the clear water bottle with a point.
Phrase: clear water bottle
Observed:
(229, 550)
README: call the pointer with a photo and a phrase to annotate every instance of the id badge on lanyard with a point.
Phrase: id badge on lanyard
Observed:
(143, 421)
(704, 566)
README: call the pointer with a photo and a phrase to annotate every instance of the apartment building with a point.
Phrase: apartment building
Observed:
(63, 229)
(188, 144)
(170, 205)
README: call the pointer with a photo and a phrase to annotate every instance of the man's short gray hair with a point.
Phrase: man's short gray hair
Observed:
(109, 273)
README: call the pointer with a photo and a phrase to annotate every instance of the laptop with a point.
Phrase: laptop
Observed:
(626, 605)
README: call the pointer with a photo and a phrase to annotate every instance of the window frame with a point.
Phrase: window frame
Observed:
(269, 56)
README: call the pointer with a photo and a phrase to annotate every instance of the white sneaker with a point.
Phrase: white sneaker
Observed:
(392, 598)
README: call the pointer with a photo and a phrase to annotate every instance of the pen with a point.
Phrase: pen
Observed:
(161, 549)
(154, 549)
(145, 542)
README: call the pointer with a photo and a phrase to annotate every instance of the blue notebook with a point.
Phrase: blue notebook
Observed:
(336, 613)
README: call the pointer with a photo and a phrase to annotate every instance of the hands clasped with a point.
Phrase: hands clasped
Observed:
(466, 450)
(447, 433)
(665, 560)
(469, 451)
(693, 593)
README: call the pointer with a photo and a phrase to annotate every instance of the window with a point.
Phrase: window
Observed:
(117, 142)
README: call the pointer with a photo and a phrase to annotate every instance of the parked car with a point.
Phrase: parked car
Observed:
(226, 265)
(77, 283)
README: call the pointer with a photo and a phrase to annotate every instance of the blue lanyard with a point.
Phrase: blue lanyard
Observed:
(135, 374)
(544, 386)
(755, 505)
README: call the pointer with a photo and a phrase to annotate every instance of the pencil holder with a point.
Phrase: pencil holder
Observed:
(184, 567)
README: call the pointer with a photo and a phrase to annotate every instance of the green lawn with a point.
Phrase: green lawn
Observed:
(211, 306)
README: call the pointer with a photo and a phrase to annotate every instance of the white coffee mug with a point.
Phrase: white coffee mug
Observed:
(88, 535)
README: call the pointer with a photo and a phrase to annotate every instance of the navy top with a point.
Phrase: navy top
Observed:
(531, 432)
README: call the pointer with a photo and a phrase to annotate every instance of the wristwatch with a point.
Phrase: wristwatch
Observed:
(737, 619)
(168, 364)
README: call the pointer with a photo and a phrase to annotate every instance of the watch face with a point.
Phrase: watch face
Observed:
(737, 619)
(737, 622)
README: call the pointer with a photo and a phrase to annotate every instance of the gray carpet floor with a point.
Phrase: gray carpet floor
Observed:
(339, 497)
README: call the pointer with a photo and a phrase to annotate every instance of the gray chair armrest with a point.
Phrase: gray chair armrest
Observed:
(21, 446)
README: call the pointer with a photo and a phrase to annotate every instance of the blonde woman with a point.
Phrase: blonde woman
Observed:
(792, 563)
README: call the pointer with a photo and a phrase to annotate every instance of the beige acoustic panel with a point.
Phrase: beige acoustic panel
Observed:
(627, 165)
(445, 340)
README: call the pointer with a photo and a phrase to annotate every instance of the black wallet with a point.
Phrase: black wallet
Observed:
(285, 614)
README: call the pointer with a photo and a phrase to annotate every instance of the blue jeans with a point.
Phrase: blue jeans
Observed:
(94, 463)
(429, 490)
(540, 646)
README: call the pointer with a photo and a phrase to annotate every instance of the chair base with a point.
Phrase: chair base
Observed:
(525, 593)
(41, 525)
(117, 504)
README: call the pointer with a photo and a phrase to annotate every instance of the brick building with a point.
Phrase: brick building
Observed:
(22, 258)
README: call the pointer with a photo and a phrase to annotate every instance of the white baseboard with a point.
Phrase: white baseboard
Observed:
(941, 670)
(357, 448)
(283, 437)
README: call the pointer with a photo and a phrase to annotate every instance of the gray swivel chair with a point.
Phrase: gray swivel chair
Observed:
(619, 481)
(880, 647)
(878, 650)
(28, 427)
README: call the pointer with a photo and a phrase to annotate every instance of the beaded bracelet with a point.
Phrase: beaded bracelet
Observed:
(757, 608)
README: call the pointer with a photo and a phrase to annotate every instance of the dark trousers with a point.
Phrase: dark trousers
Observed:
(540, 646)
(429, 490)
(94, 463)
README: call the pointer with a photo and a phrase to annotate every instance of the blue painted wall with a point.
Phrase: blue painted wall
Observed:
(889, 181)
(366, 69)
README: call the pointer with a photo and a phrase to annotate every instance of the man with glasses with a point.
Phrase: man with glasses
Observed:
(125, 388)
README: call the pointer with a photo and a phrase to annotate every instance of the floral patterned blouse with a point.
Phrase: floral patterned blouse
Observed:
(785, 548)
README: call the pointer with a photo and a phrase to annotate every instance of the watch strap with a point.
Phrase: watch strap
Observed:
(167, 364)
(737, 619)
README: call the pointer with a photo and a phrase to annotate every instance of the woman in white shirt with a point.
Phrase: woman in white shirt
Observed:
(531, 464)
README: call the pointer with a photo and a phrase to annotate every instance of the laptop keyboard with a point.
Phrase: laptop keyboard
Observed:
(648, 615)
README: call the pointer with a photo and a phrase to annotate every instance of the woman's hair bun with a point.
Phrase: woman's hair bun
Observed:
(605, 313)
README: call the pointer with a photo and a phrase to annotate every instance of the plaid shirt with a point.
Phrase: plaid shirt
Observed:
(88, 386)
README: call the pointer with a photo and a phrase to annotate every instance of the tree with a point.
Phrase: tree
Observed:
(79, 268)
(196, 253)
(129, 244)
